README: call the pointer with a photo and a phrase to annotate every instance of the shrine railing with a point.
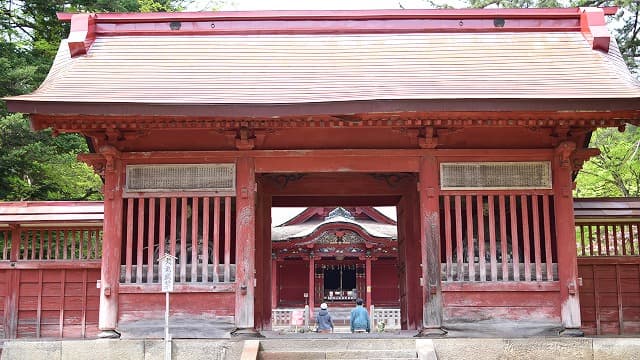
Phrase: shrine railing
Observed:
(5, 244)
(497, 236)
(51, 243)
(198, 231)
(608, 239)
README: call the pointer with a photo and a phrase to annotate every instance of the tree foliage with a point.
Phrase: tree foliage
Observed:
(616, 171)
(35, 165)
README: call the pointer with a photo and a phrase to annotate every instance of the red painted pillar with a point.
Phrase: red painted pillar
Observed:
(312, 277)
(402, 272)
(430, 244)
(412, 255)
(274, 283)
(368, 279)
(566, 237)
(245, 242)
(111, 242)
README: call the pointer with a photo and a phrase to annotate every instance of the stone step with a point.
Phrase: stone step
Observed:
(345, 354)
(337, 345)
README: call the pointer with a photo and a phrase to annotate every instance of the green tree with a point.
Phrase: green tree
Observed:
(35, 165)
(616, 171)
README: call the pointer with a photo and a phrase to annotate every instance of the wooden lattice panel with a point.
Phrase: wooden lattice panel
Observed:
(495, 175)
(196, 177)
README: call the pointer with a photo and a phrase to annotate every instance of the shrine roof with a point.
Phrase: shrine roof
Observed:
(63, 212)
(336, 219)
(606, 209)
(374, 229)
(305, 63)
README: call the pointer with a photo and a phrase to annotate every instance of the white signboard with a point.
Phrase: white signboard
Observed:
(167, 266)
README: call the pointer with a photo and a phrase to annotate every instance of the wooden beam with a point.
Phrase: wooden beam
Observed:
(327, 200)
(339, 163)
(351, 185)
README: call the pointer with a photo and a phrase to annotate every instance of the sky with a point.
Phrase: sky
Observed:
(230, 5)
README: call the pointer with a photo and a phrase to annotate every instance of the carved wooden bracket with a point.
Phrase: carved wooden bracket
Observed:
(96, 161)
(429, 140)
(110, 154)
(245, 139)
(582, 155)
(113, 135)
(564, 151)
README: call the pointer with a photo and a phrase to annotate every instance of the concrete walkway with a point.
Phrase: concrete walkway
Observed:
(193, 349)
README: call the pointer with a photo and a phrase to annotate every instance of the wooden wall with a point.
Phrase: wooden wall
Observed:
(183, 305)
(385, 289)
(516, 301)
(610, 295)
(291, 291)
(50, 303)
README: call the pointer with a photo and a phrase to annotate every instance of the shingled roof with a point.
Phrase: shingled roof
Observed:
(293, 63)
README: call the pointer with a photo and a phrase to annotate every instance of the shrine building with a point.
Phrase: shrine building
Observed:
(472, 123)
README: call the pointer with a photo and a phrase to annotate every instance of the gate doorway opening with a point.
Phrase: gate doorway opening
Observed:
(336, 250)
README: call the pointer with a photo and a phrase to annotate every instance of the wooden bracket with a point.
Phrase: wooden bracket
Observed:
(96, 161)
(429, 140)
(110, 154)
(113, 135)
(582, 155)
(564, 151)
(245, 140)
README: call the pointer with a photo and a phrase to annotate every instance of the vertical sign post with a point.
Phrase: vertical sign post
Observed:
(167, 266)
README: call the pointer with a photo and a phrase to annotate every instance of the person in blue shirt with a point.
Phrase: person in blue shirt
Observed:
(360, 318)
(323, 319)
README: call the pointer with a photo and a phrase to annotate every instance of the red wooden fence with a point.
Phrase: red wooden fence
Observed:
(48, 282)
(607, 239)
